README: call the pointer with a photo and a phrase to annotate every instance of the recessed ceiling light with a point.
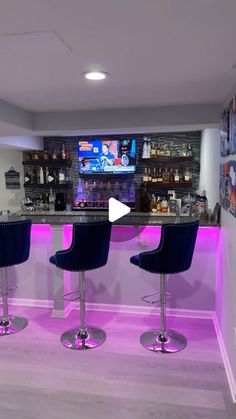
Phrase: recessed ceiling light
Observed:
(95, 75)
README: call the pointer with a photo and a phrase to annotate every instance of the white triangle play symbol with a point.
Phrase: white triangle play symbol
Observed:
(117, 209)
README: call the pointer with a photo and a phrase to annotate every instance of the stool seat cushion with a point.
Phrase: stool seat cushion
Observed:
(175, 251)
(89, 248)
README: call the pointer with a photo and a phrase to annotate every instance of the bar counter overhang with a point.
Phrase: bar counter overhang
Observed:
(118, 285)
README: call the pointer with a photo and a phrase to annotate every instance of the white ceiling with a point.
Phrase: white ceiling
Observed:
(158, 52)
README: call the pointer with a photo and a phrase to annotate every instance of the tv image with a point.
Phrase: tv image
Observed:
(107, 156)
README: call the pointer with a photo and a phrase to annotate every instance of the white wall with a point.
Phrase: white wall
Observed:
(209, 169)
(10, 198)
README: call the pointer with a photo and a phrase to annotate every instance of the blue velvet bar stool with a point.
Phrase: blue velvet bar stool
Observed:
(89, 250)
(14, 249)
(173, 255)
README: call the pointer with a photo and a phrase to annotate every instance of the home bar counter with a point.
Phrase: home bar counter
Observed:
(118, 285)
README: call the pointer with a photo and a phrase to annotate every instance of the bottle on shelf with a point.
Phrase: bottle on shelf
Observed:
(54, 154)
(61, 176)
(189, 150)
(158, 151)
(45, 155)
(149, 175)
(51, 200)
(171, 176)
(187, 175)
(166, 176)
(154, 177)
(63, 152)
(46, 174)
(153, 151)
(159, 176)
(158, 204)
(184, 150)
(149, 149)
(176, 175)
(145, 149)
(145, 176)
(153, 204)
(164, 206)
(166, 150)
(67, 154)
(41, 176)
(162, 151)
(36, 155)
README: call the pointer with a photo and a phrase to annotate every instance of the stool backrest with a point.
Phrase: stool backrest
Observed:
(175, 251)
(89, 248)
(14, 242)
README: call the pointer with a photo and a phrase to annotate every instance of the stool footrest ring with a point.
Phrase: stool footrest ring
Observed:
(75, 295)
(146, 298)
(9, 289)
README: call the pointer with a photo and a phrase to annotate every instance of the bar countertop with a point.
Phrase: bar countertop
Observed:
(132, 219)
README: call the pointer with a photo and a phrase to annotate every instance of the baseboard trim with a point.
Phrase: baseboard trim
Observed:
(121, 308)
(145, 310)
(226, 362)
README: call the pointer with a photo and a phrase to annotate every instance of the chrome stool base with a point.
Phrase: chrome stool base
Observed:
(16, 324)
(72, 340)
(174, 342)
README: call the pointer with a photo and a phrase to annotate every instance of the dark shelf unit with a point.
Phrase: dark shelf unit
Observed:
(48, 163)
(172, 185)
(169, 159)
(49, 185)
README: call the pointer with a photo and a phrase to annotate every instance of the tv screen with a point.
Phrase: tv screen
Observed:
(107, 156)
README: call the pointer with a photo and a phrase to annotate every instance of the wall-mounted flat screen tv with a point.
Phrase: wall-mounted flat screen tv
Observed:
(107, 156)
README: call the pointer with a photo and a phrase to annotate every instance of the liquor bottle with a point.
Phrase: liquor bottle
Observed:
(36, 155)
(176, 176)
(45, 155)
(61, 176)
(153, 204)
(171, 176)
(157, 151)
(189, 150)
(149, 149)
(164, 206)
(63, 152)
(54, 154)
(184, 150)
(154, 177)
(41, 176)
(145, 176)
(167, 151)
(166, 176)
(28, 177)
(187, 175)
(158, 204)
(145, 149)
(67, 154)
(51, 200)
(159, 176)
(153, 150)
(46, 174)
(162, 151)
(149, 175)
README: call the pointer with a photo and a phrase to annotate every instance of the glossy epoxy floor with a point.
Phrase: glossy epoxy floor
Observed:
(40, 379)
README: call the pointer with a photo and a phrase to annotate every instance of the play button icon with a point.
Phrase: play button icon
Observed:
(117, 210)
